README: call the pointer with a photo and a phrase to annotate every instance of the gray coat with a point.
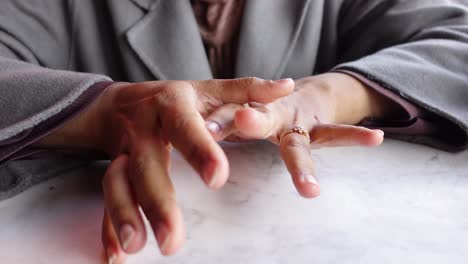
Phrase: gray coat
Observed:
(52, 51)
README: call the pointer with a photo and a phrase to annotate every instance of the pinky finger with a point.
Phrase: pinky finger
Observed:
(345, 135)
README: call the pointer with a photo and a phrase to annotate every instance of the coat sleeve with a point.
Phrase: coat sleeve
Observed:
(417, 49)
(35, 83)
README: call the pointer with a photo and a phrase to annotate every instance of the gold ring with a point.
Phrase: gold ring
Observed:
(295, 129)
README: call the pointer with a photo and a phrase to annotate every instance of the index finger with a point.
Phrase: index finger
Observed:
(245, 90)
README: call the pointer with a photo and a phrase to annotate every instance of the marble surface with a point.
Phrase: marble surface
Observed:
(399, 203)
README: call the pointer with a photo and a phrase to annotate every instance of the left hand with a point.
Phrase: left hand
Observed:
(328, 106)
(136, 124)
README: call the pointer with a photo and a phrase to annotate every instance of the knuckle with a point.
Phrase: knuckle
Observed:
(179, 85)
(166, 99)
(195, 85)
(176, 124)
(183, 121)
(174, 92)
(249, 81)
(211, 91)
(215, 85)
(169, 112)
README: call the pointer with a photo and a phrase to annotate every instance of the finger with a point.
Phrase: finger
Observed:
(220, 123)
(149, 169)
(122, 208)
(185, 128)
(258, 123)
(113, 253)
(295, 151)
(345, 135)
(245, 90)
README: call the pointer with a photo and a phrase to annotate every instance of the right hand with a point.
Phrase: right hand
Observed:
(136, 125)
(328, 106)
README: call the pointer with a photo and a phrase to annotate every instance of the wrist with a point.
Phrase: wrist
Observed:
(352, 101)
(82, 129)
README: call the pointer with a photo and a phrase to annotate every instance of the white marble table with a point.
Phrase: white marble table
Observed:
(399, 203)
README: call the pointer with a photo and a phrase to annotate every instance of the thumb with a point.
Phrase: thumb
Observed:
(258, 123)
(245, 90)
(220, 122)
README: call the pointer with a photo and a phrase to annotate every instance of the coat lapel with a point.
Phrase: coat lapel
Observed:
(167, 39)
(168, 42)
(269, 32)
(145, 4)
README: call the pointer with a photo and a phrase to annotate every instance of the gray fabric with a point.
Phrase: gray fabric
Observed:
(418, 48)
(17, 176)
(427, 65)
(40, 94)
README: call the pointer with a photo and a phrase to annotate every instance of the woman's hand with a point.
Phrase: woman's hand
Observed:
(136, 125)
(327, 106)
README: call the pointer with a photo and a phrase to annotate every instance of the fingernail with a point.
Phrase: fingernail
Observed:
(213, 127)
(162, 236)
(111, 256)
(126, 234)
(307, 178)
(381, 132)
(287, 80)
(210, 174)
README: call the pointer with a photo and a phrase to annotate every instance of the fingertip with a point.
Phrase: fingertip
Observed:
(215, 168)
(165, 240)
(132, 243)
(286, 82)
(381, 133)
(171, 236)
(216, 172)
(110, 256)
(123, 227)
(112, 251)
(282, 87)
(307, 186)
(268, 91)
(376, 138)
(246, 120)
(215, 129)
(310, 191)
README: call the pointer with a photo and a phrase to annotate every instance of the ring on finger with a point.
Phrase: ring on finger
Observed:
(294, 129)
